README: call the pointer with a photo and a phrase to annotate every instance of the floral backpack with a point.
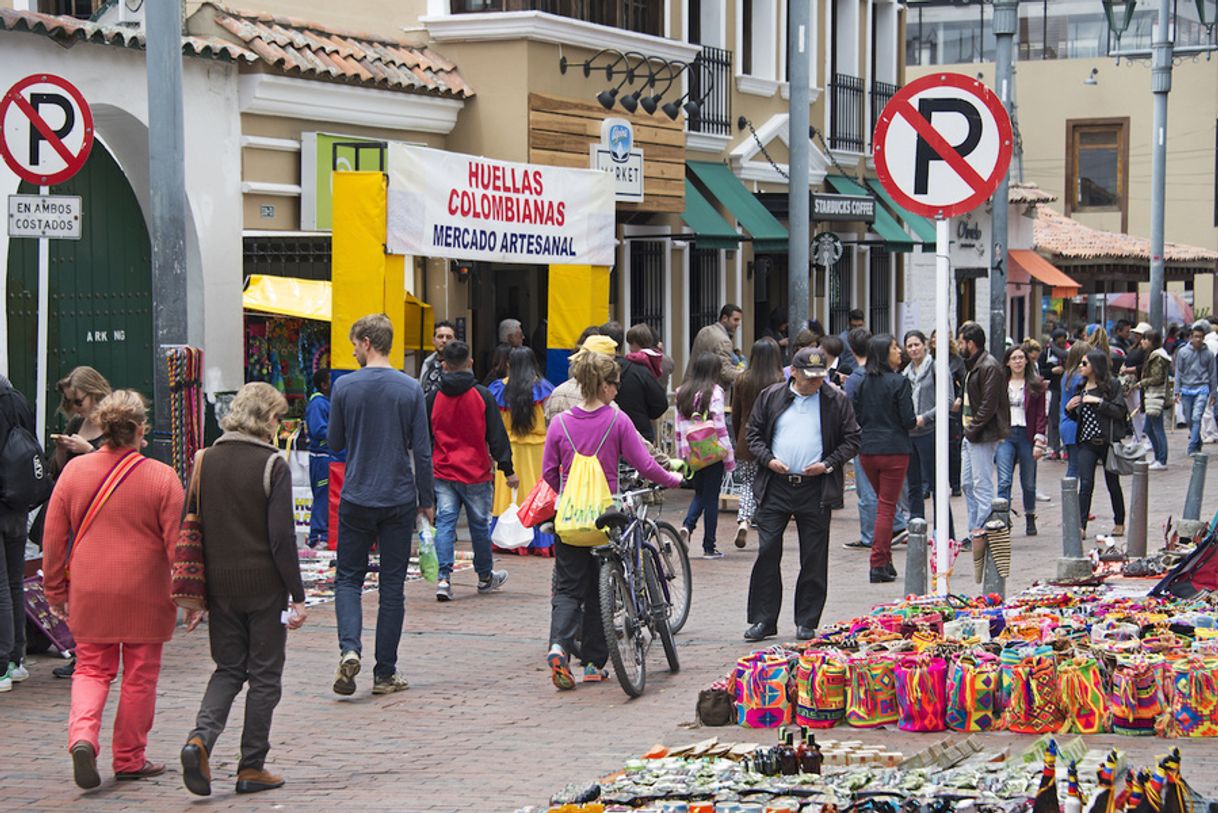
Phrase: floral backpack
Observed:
(759, 689)
(922, 693)
(871, 691)
(1138, 697)
(1194, 700)
(974, 696)
(1035, 706)
(1082, 694)
(820, 689)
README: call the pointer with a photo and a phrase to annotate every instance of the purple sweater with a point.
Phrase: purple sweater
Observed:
(586, 430)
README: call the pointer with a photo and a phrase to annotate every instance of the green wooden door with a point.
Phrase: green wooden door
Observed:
(100, 293)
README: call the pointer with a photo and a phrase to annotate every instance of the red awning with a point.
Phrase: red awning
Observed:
(1027, 265)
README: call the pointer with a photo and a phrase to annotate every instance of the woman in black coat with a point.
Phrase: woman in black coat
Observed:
(1099, 407)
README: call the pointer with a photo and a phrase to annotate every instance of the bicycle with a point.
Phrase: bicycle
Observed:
(633, 597)
(674, 555)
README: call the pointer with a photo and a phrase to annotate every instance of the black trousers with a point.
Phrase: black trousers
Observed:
(247, 643)
(575, 607)
(784, 500)
(1091, 455)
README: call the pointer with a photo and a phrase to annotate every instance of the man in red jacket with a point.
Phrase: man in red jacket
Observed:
(466, 433)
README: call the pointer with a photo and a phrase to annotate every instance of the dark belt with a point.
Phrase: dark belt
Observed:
(799, 479)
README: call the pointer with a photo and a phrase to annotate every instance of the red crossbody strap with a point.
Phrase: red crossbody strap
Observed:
(113, 479)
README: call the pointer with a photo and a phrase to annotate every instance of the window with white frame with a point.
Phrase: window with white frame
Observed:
(757, 38)
(706, 21)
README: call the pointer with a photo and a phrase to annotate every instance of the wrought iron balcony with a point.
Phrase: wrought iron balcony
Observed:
(881, 95)
(641, 16)
(846, 113)
(710, 85)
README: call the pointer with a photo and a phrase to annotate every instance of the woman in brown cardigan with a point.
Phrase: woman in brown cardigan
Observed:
(252, 569)
(765, 369)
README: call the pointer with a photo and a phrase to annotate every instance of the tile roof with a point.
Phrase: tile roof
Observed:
(1067, 239)
(1029, 193)
(315, 51)
(68, 31)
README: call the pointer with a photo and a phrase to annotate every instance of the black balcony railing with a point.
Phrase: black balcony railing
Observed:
(641, 16)
(881, 95)
(710, 78)
(846, 112)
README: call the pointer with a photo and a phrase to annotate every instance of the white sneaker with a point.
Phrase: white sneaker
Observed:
(6, 683)
(1157, 466)
(348, 668)
(396, 682)
(18, 672)
(1042, 497)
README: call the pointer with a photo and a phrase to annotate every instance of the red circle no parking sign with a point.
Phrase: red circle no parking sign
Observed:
(46, 129)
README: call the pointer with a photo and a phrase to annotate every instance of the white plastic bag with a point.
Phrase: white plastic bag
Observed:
(509, 533)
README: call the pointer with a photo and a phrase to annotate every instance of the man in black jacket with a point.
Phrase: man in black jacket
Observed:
(801, 434)
(640, 395)
(14, 412)
(1052, 364)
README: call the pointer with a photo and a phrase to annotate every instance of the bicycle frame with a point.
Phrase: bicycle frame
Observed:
(631, 544)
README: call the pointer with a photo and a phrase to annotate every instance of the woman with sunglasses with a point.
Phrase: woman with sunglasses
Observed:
(1099, 408)
(80, 391)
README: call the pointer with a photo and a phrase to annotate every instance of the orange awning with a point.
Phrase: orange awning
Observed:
(1030, 265)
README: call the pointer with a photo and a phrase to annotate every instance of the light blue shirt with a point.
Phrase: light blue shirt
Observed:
(797, 438)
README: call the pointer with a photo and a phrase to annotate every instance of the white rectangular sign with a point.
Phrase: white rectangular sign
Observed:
(56, 217)
(447, 204)
(627, 173)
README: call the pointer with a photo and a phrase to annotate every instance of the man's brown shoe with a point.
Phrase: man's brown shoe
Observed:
(146, 771)
(196, 773)
(252, 781)
(84, 765)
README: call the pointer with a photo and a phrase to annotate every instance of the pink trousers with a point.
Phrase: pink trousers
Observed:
(96, 668)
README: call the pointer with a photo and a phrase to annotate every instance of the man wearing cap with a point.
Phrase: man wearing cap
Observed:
(801, 433)
(1130, 373)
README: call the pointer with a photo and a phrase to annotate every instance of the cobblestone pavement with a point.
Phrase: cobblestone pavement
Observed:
(481, 728)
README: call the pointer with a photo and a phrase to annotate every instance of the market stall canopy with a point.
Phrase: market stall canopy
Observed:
(310, 299)
(767, 233)
(1027, 265)
(711, 230)
(886, 226)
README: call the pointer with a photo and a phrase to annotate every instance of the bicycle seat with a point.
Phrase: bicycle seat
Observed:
(612, 519)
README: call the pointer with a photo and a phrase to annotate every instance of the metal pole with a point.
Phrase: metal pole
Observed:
(1072, 565)
(1190, 520)
(915, 559)
(1006, 18)
(1160, 85)
(1136, 547)
(167, 202)
(44, 315)
(991, 580)
(799, 47)
(943, 399)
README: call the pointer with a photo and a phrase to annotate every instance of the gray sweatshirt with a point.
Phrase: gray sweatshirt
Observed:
(923, 383)
(1195, 368)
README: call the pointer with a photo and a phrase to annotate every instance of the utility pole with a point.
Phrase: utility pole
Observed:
(799, 39)
(1160, 85)
(167, 202)
(1006, 18)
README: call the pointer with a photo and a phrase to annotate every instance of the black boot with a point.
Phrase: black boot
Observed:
(880, 575)
(1031, 524)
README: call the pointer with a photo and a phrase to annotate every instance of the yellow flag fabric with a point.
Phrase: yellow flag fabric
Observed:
(578, 297)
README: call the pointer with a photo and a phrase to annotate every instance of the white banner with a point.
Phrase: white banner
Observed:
(447, 204)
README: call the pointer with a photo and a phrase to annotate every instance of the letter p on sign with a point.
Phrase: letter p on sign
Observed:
(942, 145)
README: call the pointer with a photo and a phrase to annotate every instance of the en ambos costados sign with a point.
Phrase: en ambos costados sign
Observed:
(445, 204)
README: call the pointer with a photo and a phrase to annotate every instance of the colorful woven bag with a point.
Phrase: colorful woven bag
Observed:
(1137, 698)
(759, 690)
(1194, 702)
(974, 697)
(871, 691)
(1035, 706)
(820, 689)
(1082, 694)
(922, 693)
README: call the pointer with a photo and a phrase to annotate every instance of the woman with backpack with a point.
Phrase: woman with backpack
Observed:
(598, 430)
(765, 368)
(521, 397)
(1098, 407)
(883, 405)
(705, 444)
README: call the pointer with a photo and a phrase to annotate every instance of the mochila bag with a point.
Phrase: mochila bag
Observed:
(974, 693)
(820, 689)
(584, 494)
(1035, 706)
(189, 589)
(922, 693)
(1194, 700)
(871, 691)
(1082, 692)
(705, 447)
(715, 706)
(759, 690)
(1137, 698)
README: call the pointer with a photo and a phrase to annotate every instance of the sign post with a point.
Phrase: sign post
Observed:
(46, 133)
(942, 145)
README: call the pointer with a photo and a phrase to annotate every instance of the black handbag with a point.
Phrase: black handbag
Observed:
(715, 707)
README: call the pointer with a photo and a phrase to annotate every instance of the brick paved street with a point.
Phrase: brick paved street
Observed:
(482, 728)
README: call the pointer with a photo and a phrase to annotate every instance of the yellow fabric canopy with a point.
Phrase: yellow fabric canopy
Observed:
(310, 299)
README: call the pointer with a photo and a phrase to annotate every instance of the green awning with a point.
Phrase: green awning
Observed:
(767, 233)
(712, 230)
(885, 224)
(923, 228)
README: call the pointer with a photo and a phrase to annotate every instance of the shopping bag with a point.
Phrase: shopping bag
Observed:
(1082, 692)
(820, 689)
(871, 693)
(759, 688)
(1194, 701)
(538, 506)
(922, 693)
(705, 447)
(1035, 705)
(297, 459)
(1138, 698)
(974, 696)
(585, 495)
(429, 563)
(509, 532)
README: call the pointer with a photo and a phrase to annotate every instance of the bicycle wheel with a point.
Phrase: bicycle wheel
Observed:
(623, 631)
(659, 611)
(674, 566)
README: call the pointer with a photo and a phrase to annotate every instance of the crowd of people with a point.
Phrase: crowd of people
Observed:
(784, 424)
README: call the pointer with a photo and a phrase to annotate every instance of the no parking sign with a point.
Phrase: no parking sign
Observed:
(46, 129)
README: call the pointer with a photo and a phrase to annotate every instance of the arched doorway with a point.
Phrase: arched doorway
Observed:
(100, 291)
